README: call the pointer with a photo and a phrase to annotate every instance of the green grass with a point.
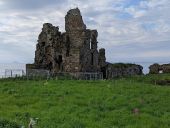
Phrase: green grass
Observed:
(87, 104)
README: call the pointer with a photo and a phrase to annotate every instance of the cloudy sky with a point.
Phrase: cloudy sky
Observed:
(129, 30)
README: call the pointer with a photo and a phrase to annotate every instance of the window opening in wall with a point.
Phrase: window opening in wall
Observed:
(90, 44)
(161, 71)
(50, 66)
(92, 59)
(60, 58)
(43, 44)
(68, 47)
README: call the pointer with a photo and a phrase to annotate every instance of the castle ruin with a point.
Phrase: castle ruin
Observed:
(72, 51)
(158, 69)
(75, 50)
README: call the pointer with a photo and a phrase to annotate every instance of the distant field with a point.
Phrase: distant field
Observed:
(121, 103)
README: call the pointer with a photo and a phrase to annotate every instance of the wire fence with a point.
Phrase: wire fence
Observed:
(46, 74)
(79, 75)
(38, 74)
(14, 73)
(19, 70)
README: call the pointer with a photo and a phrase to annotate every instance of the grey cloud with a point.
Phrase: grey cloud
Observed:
(32, 4)
(135, 51)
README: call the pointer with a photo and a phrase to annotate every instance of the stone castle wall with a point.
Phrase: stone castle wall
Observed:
(75, 50)
(156, 68)
(72, 51)
(121, 70)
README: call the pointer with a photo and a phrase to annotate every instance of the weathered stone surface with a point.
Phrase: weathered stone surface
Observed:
(122, 70)
(75, 50)
(74, 21)
(156, 68)
(165, 68)
(72, 51)
(49, 48)
(102, 58)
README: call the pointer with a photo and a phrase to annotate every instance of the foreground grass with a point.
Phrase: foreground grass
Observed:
(87, 104)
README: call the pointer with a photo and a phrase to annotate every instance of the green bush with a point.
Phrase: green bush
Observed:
(123, 65)
(8, 124)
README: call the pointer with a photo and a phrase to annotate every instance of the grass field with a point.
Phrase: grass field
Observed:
(87, 104)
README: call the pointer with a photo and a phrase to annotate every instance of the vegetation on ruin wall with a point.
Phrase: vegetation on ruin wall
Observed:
(130, 102)
(123, 65)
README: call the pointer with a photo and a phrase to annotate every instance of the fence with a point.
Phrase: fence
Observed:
(11, 73)
(14, 73)
(79, 75)
(39, 73)
(17, 69)
(45, 74)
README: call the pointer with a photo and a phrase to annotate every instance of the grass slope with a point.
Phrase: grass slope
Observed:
(87, 104)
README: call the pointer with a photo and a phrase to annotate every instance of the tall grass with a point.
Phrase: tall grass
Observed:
(87, 104)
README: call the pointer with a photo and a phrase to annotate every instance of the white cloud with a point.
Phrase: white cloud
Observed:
(142, 24)
(1, 3)
(135, 12)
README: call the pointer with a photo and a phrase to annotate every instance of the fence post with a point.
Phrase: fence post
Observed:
(22, 72)
(11, 73)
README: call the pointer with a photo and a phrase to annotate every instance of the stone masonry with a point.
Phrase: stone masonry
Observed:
(156, 68)
(72, 51)
(75, 50)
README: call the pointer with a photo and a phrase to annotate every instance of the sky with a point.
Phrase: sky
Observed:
(130, 30)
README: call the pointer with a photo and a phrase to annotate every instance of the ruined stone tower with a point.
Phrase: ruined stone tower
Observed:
(72, 51)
